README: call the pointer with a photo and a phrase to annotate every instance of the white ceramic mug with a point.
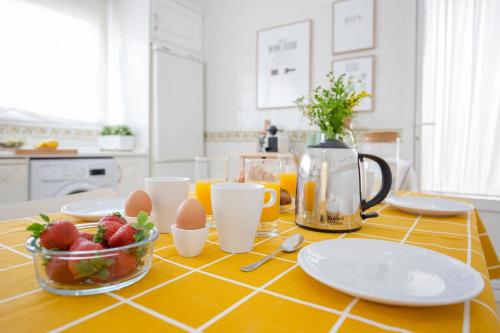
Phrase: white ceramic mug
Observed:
(167, 193)
(237, 208)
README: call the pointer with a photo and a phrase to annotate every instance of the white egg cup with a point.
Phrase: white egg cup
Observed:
(133, 219)
(189, 243)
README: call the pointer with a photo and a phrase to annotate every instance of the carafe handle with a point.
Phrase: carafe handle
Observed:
(384, 188)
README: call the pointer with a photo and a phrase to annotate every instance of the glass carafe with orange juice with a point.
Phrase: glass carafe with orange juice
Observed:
(208, 171)
(267, 173)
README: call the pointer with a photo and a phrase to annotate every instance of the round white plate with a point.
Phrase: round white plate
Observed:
(390, 273)
(428, 206)
(94, 210)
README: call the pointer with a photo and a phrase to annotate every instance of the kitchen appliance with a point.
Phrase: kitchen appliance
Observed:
(54, 177)
(275, 141)
(329, 188)
(177, 111)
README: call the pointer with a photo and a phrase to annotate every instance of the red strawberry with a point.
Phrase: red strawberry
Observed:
(54, 235)
(87, 236)
(116, 217)
(88, 265)
(57, 270)
(131, 232)
(107, 227)
(123, 264)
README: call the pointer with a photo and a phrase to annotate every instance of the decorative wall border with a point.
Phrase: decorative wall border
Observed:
(295, 136)
(23, 131)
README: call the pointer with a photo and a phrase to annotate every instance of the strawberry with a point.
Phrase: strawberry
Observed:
(123, 264)
(108, 225)
(116, 217)
(131, 232)
(89, 265)
(54, 235)
(87, 236)
(58, 270)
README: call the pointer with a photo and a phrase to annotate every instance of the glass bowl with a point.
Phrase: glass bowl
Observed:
(78, 273)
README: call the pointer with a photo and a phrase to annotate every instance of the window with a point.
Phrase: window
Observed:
(53, 59)
(460, 152)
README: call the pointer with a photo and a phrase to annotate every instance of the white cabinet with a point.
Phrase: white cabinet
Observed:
(131, 174)
(177, 23)
(13, 180)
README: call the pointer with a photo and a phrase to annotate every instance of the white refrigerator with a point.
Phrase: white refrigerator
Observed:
(177, 124)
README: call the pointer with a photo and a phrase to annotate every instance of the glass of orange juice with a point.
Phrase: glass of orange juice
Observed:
(288, 176)
(208, 171)
(267, 173)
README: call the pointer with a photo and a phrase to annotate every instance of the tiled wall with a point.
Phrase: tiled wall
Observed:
(230, 49)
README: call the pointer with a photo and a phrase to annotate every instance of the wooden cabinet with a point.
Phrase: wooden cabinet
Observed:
(131, 174)
(177, 23)
(13, 180)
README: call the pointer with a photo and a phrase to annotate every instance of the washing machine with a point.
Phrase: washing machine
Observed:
(54, 177)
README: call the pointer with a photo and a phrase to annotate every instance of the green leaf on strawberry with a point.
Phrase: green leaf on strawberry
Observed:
(44, 218)
(38, 228)
(99, 235)
(117, 214)
(94, 266)
(142, 226)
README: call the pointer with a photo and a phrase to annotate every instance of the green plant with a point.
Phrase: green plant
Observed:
(116, 130)
(331, 108)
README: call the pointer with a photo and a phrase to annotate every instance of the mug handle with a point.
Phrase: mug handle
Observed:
(272, 199)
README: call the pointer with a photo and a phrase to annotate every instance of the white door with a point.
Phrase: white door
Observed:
(177, 121)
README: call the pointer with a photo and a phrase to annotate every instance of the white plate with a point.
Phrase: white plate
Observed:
(390, 273)
(429, 206)
(94, 210)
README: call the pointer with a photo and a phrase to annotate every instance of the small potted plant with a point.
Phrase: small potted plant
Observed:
(332, 108)
(116, 138)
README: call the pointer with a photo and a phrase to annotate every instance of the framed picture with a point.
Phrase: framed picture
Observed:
(360, 72)
(353, 25)
(283, 64)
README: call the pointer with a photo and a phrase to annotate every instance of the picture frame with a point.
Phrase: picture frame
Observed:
(283, 64)
(353, 25)
(358, 69)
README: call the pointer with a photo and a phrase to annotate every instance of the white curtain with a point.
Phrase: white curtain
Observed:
(461, 96)
(53, 59)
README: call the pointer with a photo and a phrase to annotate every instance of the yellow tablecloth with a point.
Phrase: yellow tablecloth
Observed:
(209, 293)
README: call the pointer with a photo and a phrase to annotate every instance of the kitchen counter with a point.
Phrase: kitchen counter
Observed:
(82, 152)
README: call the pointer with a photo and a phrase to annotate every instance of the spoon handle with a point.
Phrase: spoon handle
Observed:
(255, 265)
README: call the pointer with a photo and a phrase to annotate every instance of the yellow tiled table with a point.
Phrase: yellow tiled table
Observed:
(209, 293)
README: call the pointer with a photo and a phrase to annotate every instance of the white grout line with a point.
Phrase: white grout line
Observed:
(84, 318)
(8, 248)
(275, 257)
(154, 313)
(243, 300)
(15, 266)
(164, 247)
(334, 311)
(486, 306)
(8, 299)
(342, 318)
(466, 318)
(411, 229)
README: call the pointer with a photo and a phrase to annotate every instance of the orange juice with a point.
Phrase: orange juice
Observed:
(309, 195)
(289, 182)
(202, 193)
(272, 213)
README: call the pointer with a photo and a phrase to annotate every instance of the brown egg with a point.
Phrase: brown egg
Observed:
(190, 215)
(137, 201)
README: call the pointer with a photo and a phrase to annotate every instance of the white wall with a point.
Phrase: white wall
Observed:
(230, 52)
(128, 67)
